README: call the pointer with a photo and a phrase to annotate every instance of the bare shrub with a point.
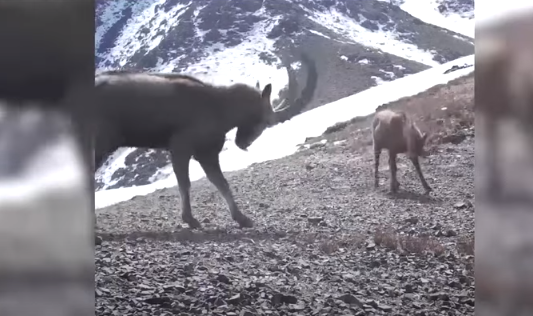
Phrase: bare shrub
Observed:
(329, 247)
(352, 241)
(389, 239)
(466, 246)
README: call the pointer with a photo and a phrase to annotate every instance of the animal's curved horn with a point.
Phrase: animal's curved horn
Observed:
(281, 106)
(291, 93)
(292, 106)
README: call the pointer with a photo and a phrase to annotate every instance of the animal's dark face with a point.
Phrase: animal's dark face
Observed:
(248, 133)
(250, 130)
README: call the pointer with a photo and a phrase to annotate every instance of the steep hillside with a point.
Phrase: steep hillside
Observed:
(325, 241)
(357, 44)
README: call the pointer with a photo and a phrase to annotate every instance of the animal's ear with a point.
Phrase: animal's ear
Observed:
(266, 92)
(257, 85)
(424, 137)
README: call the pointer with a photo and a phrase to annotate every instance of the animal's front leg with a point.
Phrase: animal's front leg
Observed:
(416, 163)
(377, 153)
(180, 164)
(211, 166)
(394, 184)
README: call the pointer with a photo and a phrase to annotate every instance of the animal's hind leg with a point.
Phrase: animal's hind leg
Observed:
(377, 154)
(394, 184)
(180, 164)
(211, 166)
(416, 163)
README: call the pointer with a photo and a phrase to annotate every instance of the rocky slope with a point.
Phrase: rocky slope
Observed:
(357, 44)
(325, 241)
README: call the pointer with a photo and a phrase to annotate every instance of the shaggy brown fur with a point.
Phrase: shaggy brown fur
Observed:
(395, 132)
(190, 119)
(176, 77)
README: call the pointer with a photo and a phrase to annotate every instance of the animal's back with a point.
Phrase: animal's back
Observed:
(388, 129)
(389, 120)
(146, 107)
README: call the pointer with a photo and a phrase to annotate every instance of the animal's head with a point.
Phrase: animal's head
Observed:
(264, 115)
(420, 139)
(254, 125)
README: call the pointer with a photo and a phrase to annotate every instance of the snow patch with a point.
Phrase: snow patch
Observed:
(241, 63)
(319, 34)
(143, 30)
(428, 12)
(378, 80)
(386, 41)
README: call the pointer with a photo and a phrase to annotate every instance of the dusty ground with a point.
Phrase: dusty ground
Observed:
(325, 241)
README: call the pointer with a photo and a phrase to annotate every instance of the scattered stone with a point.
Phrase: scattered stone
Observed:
(460, 205)
(315, 220)
(409, 288)
(97, 240)
(450, 233)
(351, 300)
(235, 299)
(279, 298)
(224, 279)
(412, 220)
(436, 227)
(383, 307)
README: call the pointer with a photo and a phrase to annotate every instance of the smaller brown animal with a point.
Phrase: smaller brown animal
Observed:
(395, 132)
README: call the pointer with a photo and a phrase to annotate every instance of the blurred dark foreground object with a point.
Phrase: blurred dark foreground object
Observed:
(47, 59)
(47, 265)
(47, 47)
(46, 62)
(504, 167)
(504, 96)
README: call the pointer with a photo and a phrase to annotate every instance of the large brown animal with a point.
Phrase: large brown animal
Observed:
(398, 134)
(189, 118)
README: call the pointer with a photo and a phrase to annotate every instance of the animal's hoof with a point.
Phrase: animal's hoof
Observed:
(244, 221)
(428, 190)
(97, 240)
(192, 222)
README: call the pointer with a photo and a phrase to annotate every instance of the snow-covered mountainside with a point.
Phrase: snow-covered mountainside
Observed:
(357, 44)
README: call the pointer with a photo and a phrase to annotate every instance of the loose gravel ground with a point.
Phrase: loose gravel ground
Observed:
(325, 242)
